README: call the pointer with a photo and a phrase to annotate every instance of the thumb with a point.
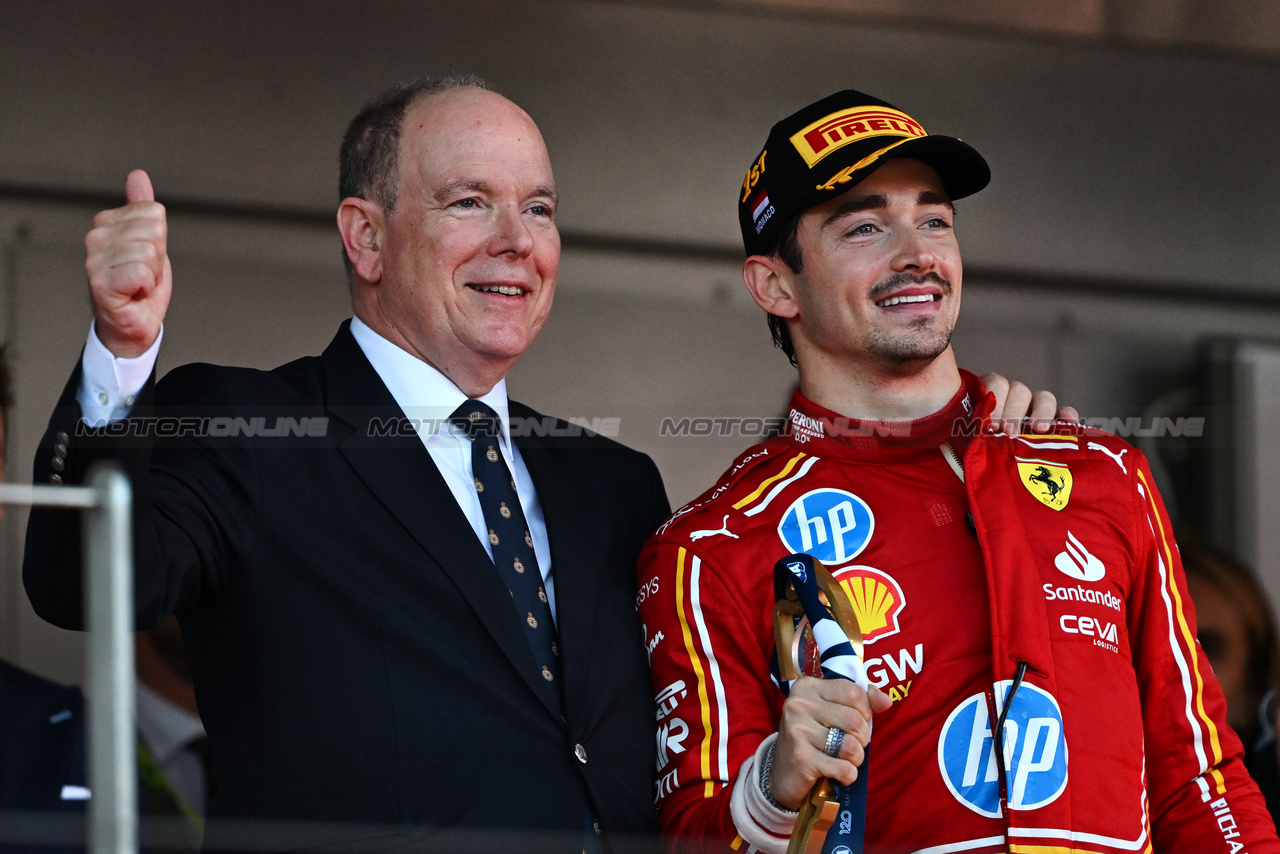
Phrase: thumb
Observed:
(880, 701)
(137, 187)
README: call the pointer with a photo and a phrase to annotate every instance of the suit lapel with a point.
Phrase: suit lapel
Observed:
(400, 472)
(570, 529)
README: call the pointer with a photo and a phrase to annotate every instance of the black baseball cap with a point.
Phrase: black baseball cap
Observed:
(821, 151)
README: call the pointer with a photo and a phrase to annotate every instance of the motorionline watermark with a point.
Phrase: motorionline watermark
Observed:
(1156, 427)
(750, 427)
(800, 424)
(797, 424)
(519, 427)
(317, 427)
(207, 427)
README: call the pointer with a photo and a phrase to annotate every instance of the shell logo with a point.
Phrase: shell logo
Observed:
(877, 600)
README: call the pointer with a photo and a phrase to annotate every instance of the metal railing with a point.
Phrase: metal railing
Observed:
(107, 501)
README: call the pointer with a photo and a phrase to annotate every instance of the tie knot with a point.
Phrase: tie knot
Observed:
(476, 419)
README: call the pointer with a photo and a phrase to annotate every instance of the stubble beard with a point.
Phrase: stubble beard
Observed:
(925, 339)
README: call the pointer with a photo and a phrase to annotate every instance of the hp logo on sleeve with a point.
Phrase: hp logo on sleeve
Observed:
(832, 525)
(1034, 746)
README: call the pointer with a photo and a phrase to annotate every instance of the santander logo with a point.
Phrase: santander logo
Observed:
(1076, 561)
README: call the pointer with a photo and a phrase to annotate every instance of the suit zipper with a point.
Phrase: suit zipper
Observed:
(997, 730)
(953, 459)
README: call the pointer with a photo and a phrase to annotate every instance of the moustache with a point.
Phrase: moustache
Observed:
(899, 280)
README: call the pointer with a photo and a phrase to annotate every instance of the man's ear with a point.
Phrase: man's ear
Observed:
(362, 225)
(771, 284)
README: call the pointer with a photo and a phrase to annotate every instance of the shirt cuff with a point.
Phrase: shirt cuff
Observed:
(108, 385)
(760, 824)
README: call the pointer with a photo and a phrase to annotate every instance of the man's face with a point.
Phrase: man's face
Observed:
(470, 254)
(880, 286)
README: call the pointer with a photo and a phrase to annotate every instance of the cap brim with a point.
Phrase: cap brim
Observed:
(962, 169)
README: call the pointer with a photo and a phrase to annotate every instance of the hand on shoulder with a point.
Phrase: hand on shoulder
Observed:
(1017, 405)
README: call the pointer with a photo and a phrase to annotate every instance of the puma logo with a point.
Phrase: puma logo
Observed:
(1096, 447)
(709, 532)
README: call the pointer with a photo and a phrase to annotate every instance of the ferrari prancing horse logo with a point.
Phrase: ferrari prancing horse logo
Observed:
(1050, 483)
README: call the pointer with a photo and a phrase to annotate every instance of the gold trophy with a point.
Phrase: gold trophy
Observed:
(792, 635)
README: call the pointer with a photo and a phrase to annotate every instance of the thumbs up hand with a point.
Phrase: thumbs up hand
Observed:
(130, 279)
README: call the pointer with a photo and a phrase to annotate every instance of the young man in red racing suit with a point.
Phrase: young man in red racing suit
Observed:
(981, 566)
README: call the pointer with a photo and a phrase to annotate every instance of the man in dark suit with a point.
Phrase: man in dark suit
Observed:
(362, 674)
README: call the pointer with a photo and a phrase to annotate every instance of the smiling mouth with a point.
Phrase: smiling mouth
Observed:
(892, 301)
(505, 290)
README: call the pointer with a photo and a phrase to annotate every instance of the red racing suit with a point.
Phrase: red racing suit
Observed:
(1054, 550)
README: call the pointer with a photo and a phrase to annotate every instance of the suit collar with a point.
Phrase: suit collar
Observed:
(422, 392)
(388, 456)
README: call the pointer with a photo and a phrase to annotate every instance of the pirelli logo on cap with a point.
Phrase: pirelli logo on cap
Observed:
(837, 130)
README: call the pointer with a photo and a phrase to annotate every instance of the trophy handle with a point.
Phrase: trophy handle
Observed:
(835, 598)
(786, 639)
(789, 607)
(817, 815)
(820, 809)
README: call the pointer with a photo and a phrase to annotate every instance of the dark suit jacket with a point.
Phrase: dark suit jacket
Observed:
(358, 665)
(42, 749)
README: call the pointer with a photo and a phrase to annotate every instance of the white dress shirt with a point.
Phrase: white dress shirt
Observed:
(169, 732)
(109, 386)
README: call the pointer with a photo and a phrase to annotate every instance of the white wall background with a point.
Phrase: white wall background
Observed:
(1132, 210)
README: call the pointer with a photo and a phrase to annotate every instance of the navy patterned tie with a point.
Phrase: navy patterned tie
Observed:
(510, 540)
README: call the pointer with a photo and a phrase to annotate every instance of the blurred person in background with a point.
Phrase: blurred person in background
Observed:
(173, 750)
(43, 775)
(42, 749)
(1238, 634)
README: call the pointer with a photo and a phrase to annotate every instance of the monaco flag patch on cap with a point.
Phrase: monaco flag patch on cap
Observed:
(761, 211)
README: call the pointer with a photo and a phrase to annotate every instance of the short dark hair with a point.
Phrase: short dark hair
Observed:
(786, 247)
(369, 160)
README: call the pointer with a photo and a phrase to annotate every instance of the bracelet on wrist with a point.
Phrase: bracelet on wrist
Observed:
(766, 773)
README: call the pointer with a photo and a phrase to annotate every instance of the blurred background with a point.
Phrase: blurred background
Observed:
(1125, 255)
